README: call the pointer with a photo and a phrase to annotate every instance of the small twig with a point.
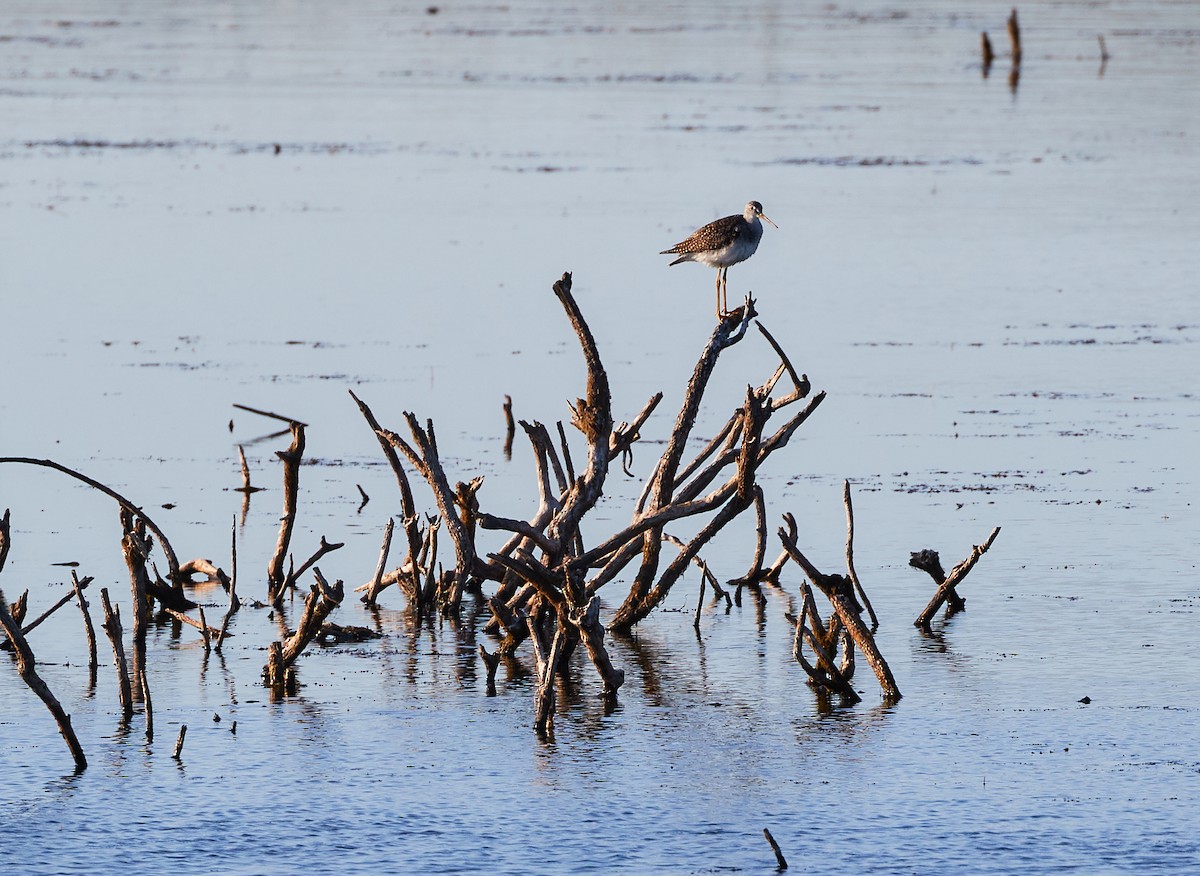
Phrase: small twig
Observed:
(40, 619)
(179, 741)
(234, 605)
(324, 548)
(365, 498)
(376, 580)
(205, 630)
(273, 416)
(858, 588)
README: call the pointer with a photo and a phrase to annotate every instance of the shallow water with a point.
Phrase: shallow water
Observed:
(267, 204)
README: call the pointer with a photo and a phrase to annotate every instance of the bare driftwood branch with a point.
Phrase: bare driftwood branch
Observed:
(207, 632)
(544, 593)
(755, 573)
(510, 427)
(276, 579)
(27, 664)
(928, 561)
(324, 548)
(282, 417)
(27, 667)
(77, 586)
(411, 582)
(425, 459)
(201, 566)
(591, 631)
(377, 579)
(245, 466)
(126, 505)
(112, 626)
(5, 536)
(234, 604)
(729, 497)
(858, 588)
(491, 662)
(823, 642)
(840, 593)
(26, 629)
(136, 549)
(780, 861)
(1014, 37)
(547, 659)
(321, 600)
(663, 481)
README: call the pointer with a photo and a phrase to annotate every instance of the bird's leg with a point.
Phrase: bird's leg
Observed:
(720, 271)
(725, 290)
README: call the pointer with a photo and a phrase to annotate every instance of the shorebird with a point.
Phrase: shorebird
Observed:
(721, 244)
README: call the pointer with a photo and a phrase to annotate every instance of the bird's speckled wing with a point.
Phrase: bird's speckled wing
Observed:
(713, 236)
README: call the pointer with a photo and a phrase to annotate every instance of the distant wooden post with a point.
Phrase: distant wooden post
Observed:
(1014, 36)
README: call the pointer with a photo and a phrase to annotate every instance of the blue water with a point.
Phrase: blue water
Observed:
(994, 287)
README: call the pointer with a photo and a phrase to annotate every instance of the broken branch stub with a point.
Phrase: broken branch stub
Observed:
(929, 562)
(321, 600)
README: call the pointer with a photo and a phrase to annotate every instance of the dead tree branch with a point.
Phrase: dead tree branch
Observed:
(27, 667)
(322, 599)
(78, 585)
(112, 627)
(276, 579)
(410, 582)
(928, 561)
(840, 593)
(858, 588)
(136, 548)
(169, 552)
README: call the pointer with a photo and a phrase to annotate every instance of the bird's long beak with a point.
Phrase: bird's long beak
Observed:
(763, 216)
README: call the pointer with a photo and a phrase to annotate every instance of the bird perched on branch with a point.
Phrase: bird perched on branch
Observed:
(721, 244)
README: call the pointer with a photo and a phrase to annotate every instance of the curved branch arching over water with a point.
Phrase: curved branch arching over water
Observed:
(168, 551)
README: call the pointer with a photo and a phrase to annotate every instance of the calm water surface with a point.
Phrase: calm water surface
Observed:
(269, 203)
